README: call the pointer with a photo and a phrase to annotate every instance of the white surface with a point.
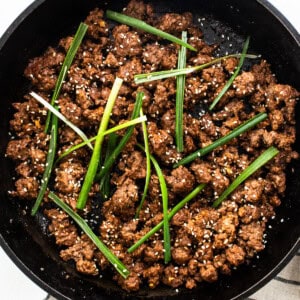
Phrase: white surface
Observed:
(14, 284)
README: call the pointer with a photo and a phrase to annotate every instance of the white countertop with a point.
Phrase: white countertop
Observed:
(13, 283)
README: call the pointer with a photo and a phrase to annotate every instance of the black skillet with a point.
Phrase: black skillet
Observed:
(25, 239)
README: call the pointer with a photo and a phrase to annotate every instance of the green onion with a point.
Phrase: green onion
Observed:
(148, 167)
(223, 140)
(147, 77)
(48, 166)
(105, 180)
(252, 168)
(136, 23)
(180, 85)
(94, 162)
(117, 264)
(109, 131)
(66, 65)
(164, 195)
(234, 75)
(171, 214)
(61, 117)
(110, 161)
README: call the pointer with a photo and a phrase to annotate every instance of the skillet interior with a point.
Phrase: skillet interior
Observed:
(29, 246)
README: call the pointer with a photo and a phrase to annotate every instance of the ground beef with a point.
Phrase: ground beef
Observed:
(205, 241)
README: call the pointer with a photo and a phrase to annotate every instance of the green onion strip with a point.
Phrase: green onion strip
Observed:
(61, 117)
(94, 162)
(234, 75)
(147, 77)
(80, 33)
(48, 166)
(223, 140)
(148, 166)
(266, 156)
(136, 23)
(171, 214)
(107, 132)
(112, 158)
(180, 85)
(116, 263)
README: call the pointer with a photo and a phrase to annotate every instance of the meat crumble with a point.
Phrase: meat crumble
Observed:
(206, 241)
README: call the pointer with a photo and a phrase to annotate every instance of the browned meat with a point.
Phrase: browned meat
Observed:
(205, 241)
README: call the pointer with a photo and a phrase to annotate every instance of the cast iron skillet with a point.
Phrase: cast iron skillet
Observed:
(25, 239)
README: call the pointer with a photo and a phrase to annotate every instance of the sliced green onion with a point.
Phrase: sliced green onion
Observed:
(252, 168)
(148, 167)
(109, 131)
(223, 140)
(61, 117)
(164, 195)
(116, 263)
(136, 23)
(171, 214)
(94, 162)
(105, 180)
(66, 65)
(147, 77)
(180, 85)
(48, 166)
(110, 161)
(234, 75)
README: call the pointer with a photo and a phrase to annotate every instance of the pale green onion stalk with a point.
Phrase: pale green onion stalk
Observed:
(180, 87)
(61, 117)
(148, 77)
(94, 162)
(115, 262)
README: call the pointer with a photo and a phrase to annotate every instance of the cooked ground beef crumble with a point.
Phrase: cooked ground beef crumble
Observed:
(205, 241)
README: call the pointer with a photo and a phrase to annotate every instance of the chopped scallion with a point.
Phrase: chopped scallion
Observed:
(80, 33)
(48, 165)
(136, 23)
(110, 161)
(61, 117)
(223, 140)
(147, 77)
(252, 168)
(94, 162)
(180, 85)
(148, 167)
(171, 214)
(234, 75)
(116, 263)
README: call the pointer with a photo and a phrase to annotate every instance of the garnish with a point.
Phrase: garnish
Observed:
(105, 180)
(65, 67)
(48, 166)
(266, 156)
(61, 117)
(164, 195)
(234, 75)
(110, 161)
(180, 84)
(148, 166)
(223, 140)
(107, 132)
(136, 23)
(147, 77)
(94, 162)
(171, 214)
(116, 263)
